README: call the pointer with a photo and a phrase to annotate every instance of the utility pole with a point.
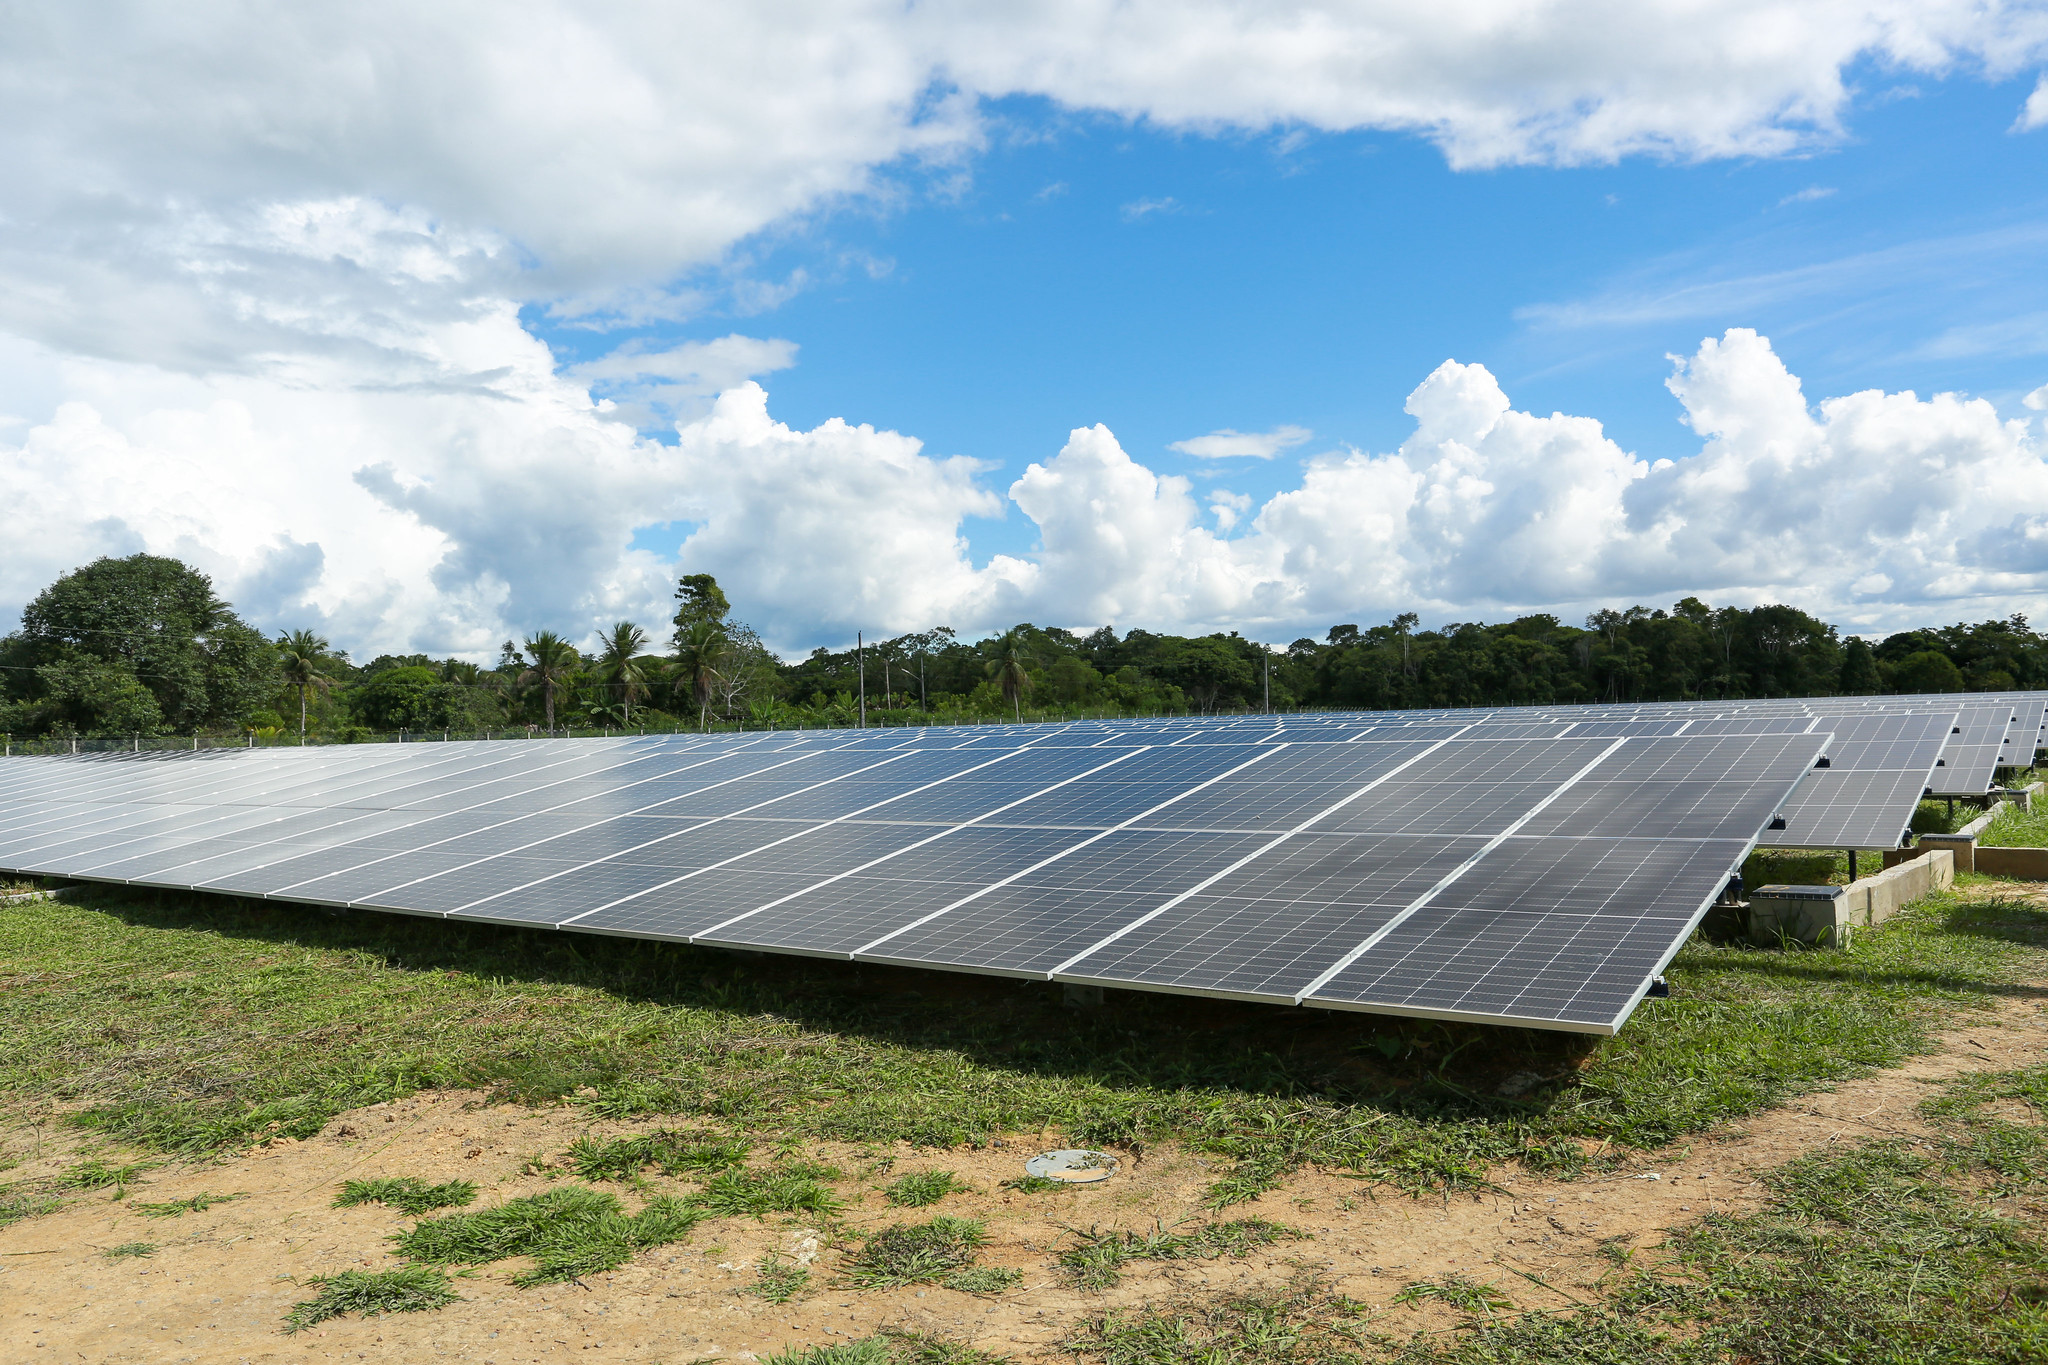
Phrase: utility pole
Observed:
(1269, 682)
(860, 653)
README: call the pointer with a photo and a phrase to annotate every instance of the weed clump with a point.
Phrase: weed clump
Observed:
(408, 1194)
(890, 1348)
(919, 1188)
(18, 1202)
(916, 1253)
(778, 1189)
(1302, 1326)
(569, 1232)
(128, 1250)
(669, 1151)
(1098, 1261)
(100, 1175)
(173, 1208)
(409, 1289)
(1461, 1292)
(777, 1279)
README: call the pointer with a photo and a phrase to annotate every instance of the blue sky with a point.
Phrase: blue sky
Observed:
(428, 325)
(1086, 269)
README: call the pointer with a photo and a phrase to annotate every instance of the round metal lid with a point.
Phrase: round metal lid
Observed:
(1074, 1165)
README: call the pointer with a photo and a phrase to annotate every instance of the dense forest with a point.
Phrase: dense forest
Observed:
(143, 646)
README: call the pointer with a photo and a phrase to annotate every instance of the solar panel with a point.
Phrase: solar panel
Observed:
(1978, 745)
(1879, 764)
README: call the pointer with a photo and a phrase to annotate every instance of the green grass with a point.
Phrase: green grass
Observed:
(173, 1208)
(192, 1024)
(918, 1188)
(916, 1253)
(409, 1289)
(408, 1194)
(569, 1232)
(778, 1279)
(778, 1189)
(669, 1151)
(2016, 828)
(99, 1174)
(130, 1251)
(890, 1348)
(1037, 1184)
(1097, 1261)
(25, 1201)
(1889, 1252)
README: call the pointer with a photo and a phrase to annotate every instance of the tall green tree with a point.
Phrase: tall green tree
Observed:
(701, 651)
(100, 639)
(1009, 666)
(622, 664)
(699, 600)
(553, 661)
(302, 661)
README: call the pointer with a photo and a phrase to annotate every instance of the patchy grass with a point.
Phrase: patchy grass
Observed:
(984, 1279)
(2016, 828)
(1097, 1261)
(99, 1174)
(25, 1201)
(409, 1289)
(191, 1024)
(671, 1152)
(916, 1253)
(1036, 1184)
(130, 1251)
(890, 1348)
(568, 1232)
(408, 1194)
(919, 1188)
(174, 1208)
(1301, 1326)
(1461, 1292)
(778, 1189)
(778, 1279)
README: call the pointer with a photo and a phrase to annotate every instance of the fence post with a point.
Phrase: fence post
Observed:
(195, 741)
(137, 741)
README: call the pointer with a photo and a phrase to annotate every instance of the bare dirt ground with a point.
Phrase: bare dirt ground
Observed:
(220, 1280)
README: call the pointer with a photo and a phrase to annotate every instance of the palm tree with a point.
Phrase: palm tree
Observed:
(620, 664)
(554, 660)
(1007, 668)
(701, 648)
(301, 655)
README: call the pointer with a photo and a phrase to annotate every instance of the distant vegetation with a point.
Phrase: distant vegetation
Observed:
(143, 646)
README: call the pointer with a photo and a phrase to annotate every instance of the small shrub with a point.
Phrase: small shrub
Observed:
(919, 1188)
(130, 1249)
(778, 1280)
(409, 1289)
(636, 1099)
(198, 1203)
(407, 1194)
(916, 1253)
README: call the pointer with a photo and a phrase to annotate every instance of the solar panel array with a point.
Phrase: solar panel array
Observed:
(1530, 866)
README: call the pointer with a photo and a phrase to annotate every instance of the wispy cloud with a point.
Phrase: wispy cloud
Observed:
(1145, 208)
(1052, 191)
(1227, 444)
(2035, 114)
(1807, 195)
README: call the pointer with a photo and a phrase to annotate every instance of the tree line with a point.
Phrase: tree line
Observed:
(144, 646)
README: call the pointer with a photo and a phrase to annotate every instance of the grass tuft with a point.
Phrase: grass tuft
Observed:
(919, 1188)
(1036, 1184)
(983, 1279)
(19, 1201)
(568, 1232)
(1098, 1260)
(778, 1279)
(890, 1348)
(408, 1289)
(1301, 1326)
(100, 1175)
(671, 1152)
(779, 1189)
(408, 1194)
(173, 1208)
(916, 1253)
(129, 1250)
(1461, 1292)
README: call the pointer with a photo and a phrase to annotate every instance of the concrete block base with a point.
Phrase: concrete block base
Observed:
(2029, 864)
(1829, 916)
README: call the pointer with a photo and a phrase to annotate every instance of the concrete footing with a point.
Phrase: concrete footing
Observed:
(1828, 916)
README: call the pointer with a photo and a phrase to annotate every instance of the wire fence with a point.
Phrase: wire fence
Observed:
(278, 739)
